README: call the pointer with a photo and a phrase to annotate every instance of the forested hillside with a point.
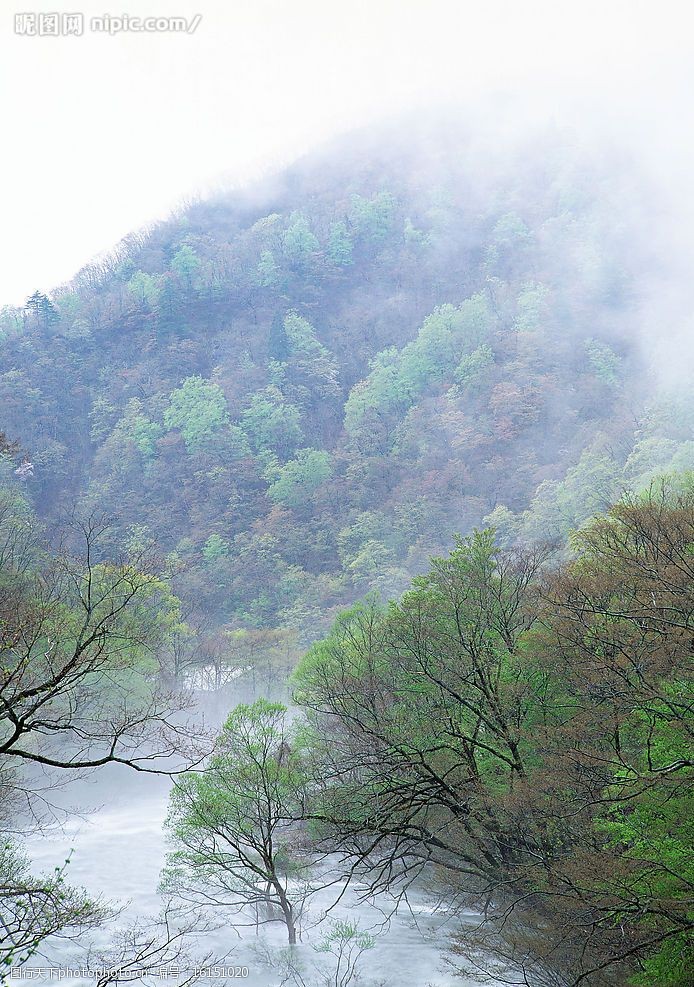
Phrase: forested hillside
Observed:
(386, 374)
(300, 392)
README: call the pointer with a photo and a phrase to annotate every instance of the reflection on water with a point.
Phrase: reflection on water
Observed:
(119, 850)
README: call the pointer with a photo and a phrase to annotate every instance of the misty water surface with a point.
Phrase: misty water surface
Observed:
(118, 850)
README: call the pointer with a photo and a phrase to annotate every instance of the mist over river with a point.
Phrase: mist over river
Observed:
(118, 849)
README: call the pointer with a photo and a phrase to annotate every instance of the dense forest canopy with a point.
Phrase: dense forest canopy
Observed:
(274, 409)
(298, 394)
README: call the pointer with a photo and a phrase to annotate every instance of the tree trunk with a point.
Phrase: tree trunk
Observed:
(287, 912)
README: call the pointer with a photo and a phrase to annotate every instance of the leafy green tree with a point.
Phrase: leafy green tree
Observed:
(444, 335)
(604, 361)
(376, 396)
(198, 409)
(619, 629)
(653, 457)
(524, 732)
(378, 688)
(469, 373)
(530, 307)
(510, 228)
(215, 548)
(586, 490)
(144, 288)
(233, 825)
(311, 365)
(510, 239)
(398, 378)
(372, 218)
(272, 423)
(340, 245)
(299, 243)
(267, 272)
(300, 478)
(135, 427)
(186, 265)
(374, 568)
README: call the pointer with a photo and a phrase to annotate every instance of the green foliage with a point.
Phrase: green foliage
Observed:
(102, 416)
(588, 486)
(398, 378)
(272, 423)
(300, 478)
(416, 656)
(604, 361)
(443, 336)
(198, 409)
(671, 966)
(340, 246)
(430, 360)
(247, 759)
(144, 288)
(268, 271)
(510, 229)
(36, 906)
(372, 218)
(559, 507)
(299, 242)
(510, 239)
(530, 307)
(313, 365)
(215, 548)
(379, 392)
(143, 433)
(341, 932)
(357, 318)
(186, 265)
(301, 337)
(471, 368)
(499, 713)
(231, 825)
(42, 309)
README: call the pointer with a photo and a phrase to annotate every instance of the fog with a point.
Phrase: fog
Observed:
(264, 105)
(107, 133)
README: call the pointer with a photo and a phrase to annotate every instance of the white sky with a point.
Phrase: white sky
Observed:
(103, 134)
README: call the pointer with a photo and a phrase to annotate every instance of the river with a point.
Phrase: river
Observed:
(118, 849)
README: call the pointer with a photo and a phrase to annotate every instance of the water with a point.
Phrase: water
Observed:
(118, 852)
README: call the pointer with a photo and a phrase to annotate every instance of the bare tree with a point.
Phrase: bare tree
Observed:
(79, 683)
(80, 687)
(162, 946)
